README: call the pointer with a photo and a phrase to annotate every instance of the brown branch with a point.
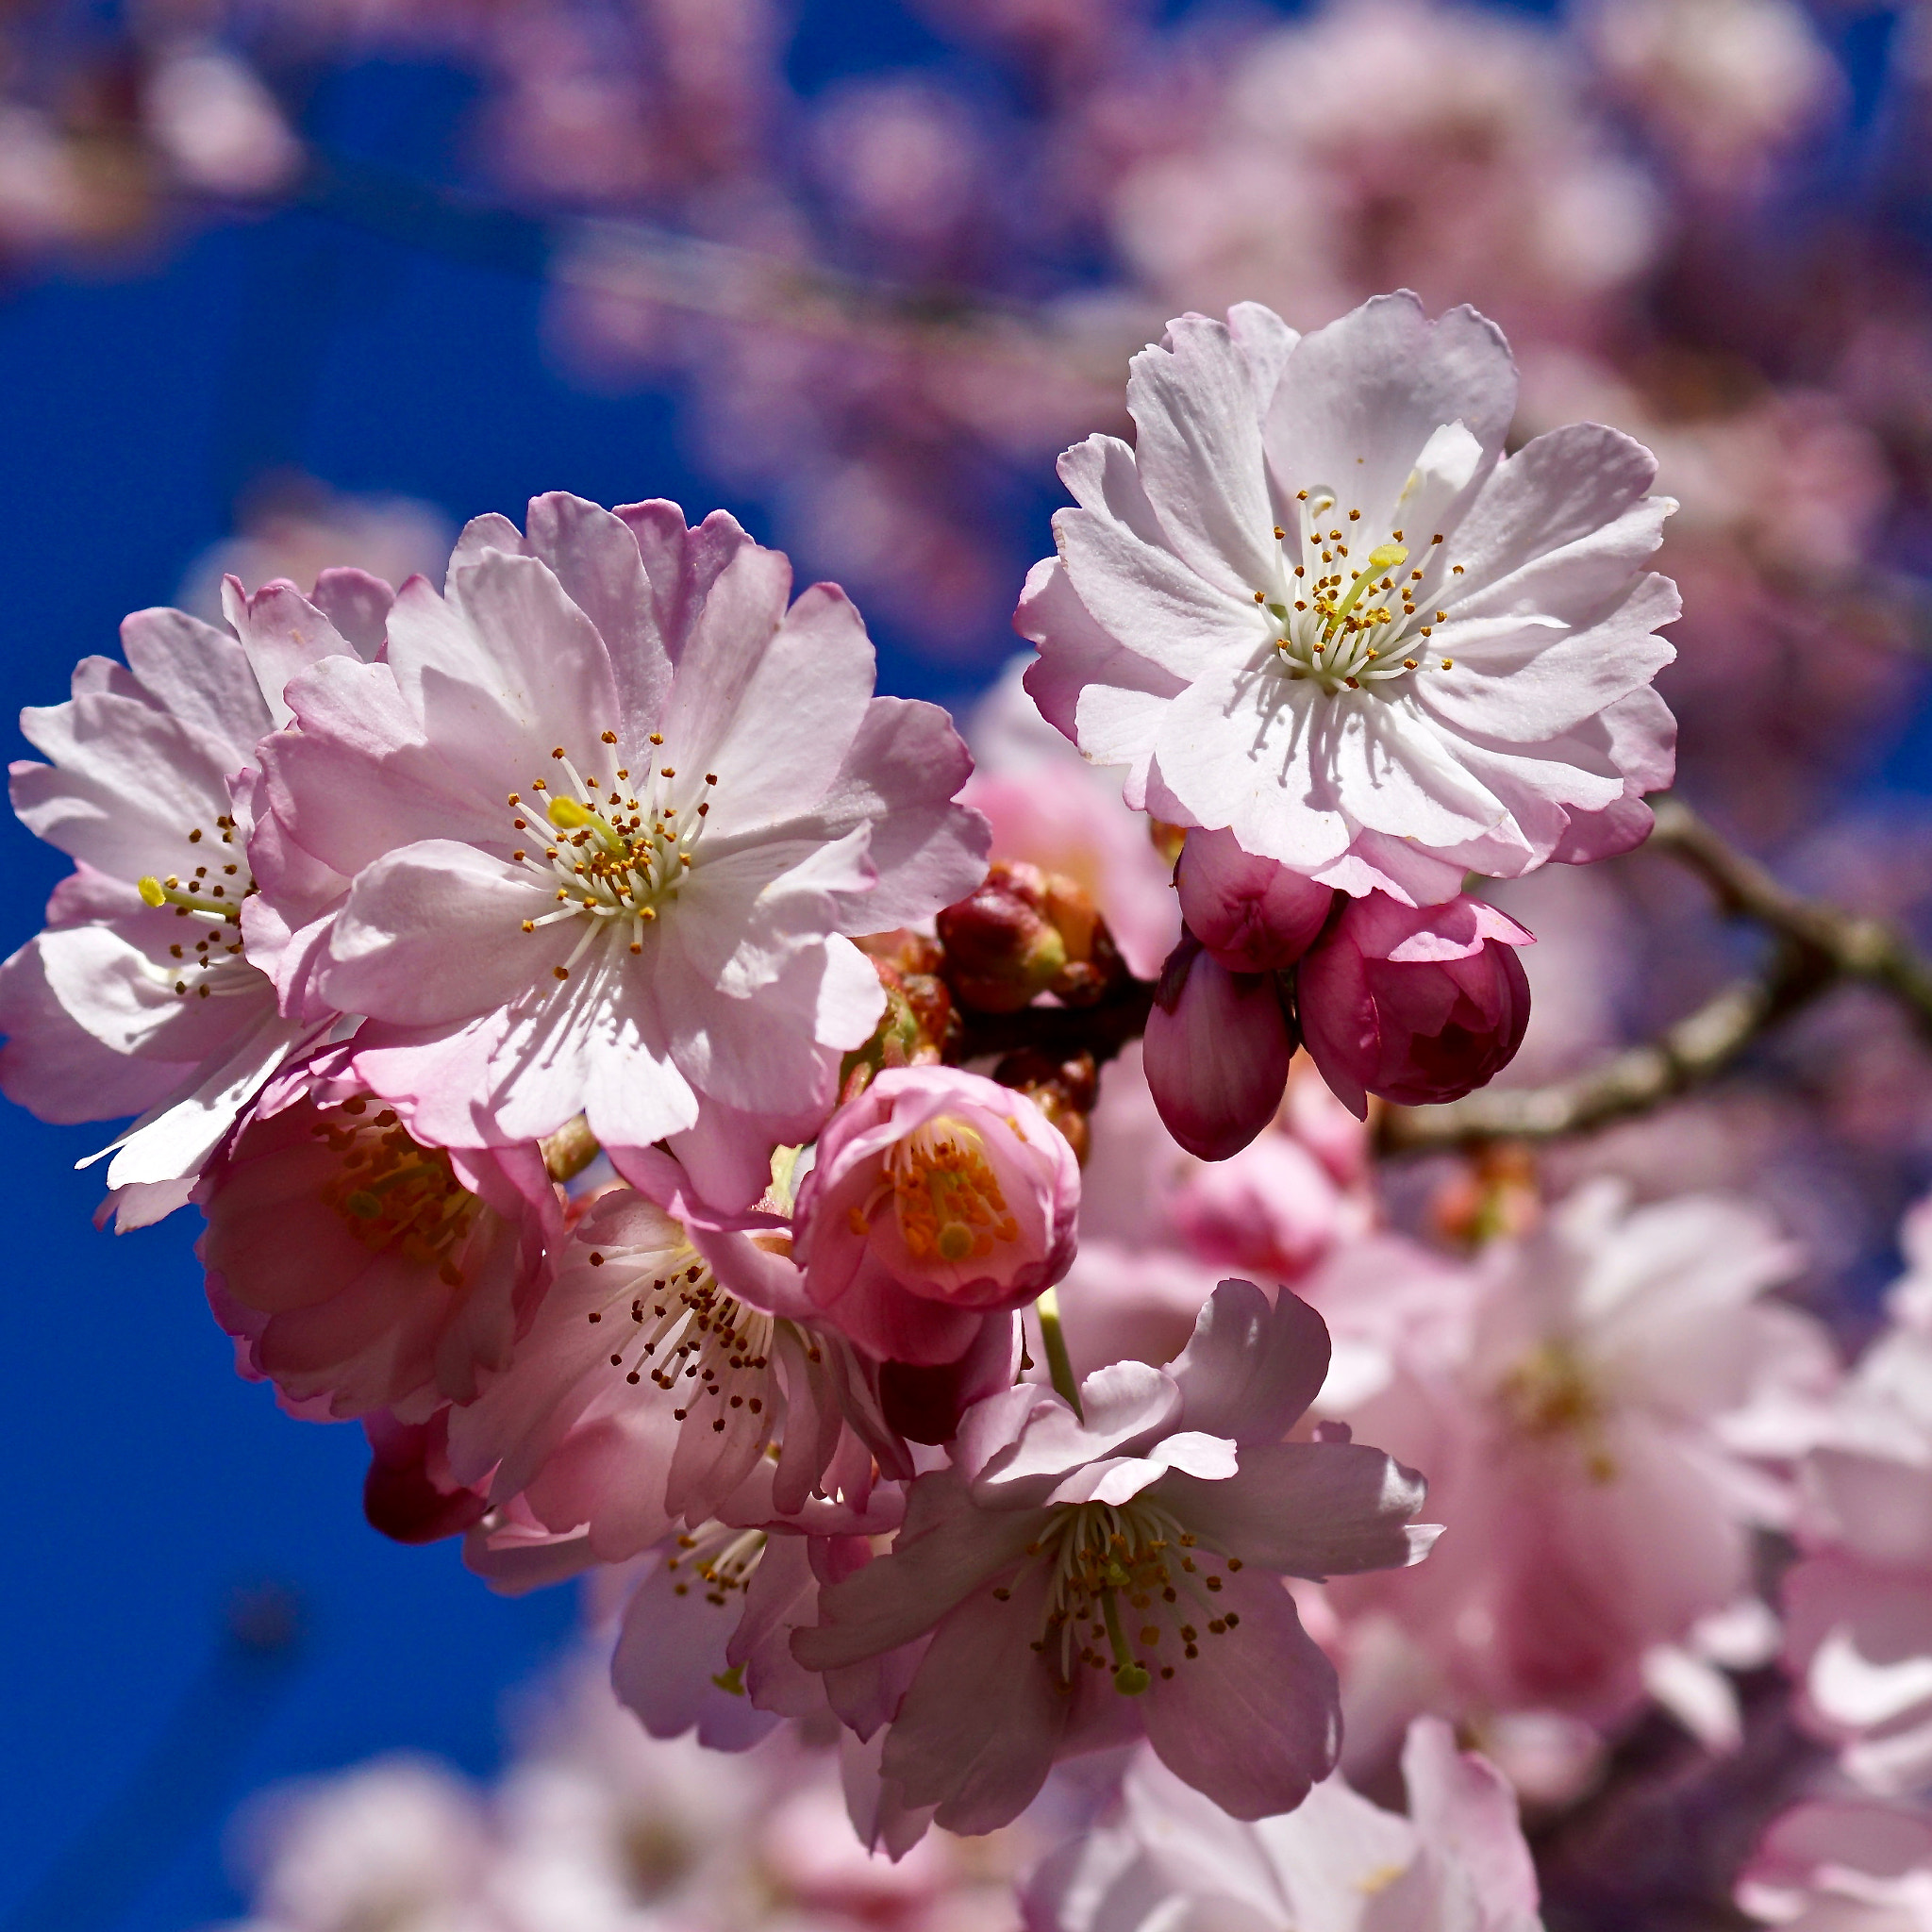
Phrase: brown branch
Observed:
(1819, 946)
(1857, 947)
(1062, 1032)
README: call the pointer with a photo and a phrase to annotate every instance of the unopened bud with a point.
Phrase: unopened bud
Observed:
(1418, 1005)
(1252, 914)
(1216, 1050)
(1002, 950)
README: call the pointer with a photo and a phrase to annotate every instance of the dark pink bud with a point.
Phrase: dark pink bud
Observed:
(409, 1493)
(1252, 915)
(1216, 1051)
(924, 1403)
(1416, 1004)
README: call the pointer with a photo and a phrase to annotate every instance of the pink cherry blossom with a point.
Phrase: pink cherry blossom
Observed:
(610, 808)
(1088, 1574)
(1457, 1863)
(648, 1386)
(1607, 1416)
(139, 996)
(361, 1270)
(1317, 607)
(1414, 1003)
(936, 1198)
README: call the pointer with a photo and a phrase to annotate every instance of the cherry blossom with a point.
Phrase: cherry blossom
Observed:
(362, 1270)
(610, 809)
(1457, 1863)
(1613, 1408)
(937, 1197)
(648, 1389)
(1085, 1573)
(142, 995)
(1316, 605)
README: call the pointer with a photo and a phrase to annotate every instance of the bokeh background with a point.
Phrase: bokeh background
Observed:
(308, 281)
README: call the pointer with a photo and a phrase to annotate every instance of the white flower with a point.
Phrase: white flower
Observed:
(1316, 605)
(139, 997)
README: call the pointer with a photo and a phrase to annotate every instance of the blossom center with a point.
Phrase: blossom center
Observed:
(719, 1562)
(945, 1195)
(693, 1342)
(1548, 1395)
(1353, 614)
(210, 893)
(1123, 1578)
(615, 851)
(392, 1191)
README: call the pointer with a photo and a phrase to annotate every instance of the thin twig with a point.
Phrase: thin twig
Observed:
(1819, 947)
(1857, 947)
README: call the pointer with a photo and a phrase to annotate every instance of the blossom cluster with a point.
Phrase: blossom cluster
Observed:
(864, 1208)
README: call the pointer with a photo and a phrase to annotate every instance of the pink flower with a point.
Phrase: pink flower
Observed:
(1457, 1863)
(1216, 1052)
(1415, 1004)
(936, 1198)
(1603, 1420)
(1315, 605)
(1839, 1865)
(139, 996)
(648, 1389)
(610, 809)
(1084, 1573)
(1272, 1209)
(363, 1270)
(1252, 915)
(1859, 1604)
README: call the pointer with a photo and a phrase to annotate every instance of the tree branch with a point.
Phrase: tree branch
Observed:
(1819, 947)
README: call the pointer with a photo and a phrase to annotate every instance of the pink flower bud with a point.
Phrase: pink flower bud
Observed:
(1216, 1052)
(1416, 1004)
(410, 1493)
(1252, 915)
(938, 1197)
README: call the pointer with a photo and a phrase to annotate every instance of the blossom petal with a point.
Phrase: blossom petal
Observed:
(1197, 419)
(982, 1720)
(1255, 1719)
(1250, 1371)
(1309, 1508)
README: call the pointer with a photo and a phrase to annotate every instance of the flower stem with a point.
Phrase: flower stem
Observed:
(1059, 1364)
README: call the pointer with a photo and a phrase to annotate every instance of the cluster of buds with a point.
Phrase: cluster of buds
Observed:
(1028, 934)
(919, 1026)
(1415, 1004)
